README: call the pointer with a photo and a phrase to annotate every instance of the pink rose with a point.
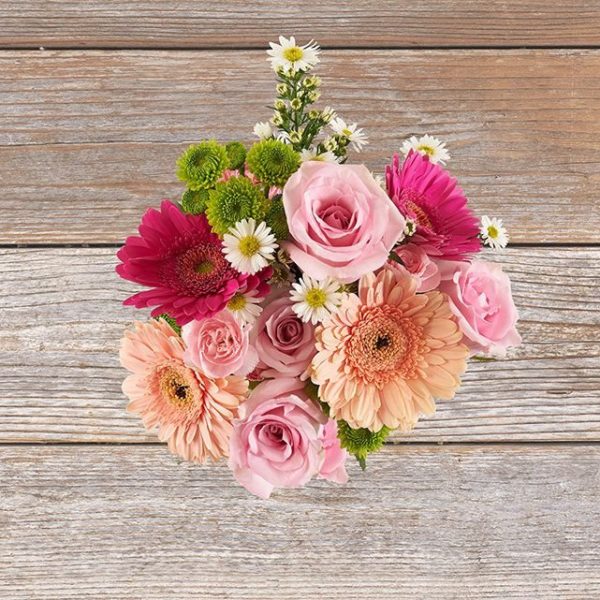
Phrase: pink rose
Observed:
(219, 346)
(419, 265)
(285, 345)
(342, 223)
(334, 465)
(275, 443)
(480, 296)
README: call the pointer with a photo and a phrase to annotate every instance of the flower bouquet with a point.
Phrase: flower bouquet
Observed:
(304, 308)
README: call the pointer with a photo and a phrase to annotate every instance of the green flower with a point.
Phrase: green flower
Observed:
(201, 165)
(272, 162)
(194, 202)
(236, 153)
(232, 201)
(361, 442)
(277, 220)
(171, 321)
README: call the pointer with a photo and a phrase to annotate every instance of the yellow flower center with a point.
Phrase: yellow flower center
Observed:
(174, 388)
(316, 298)
(427, 149)
(293, 54)
(347, 132)
(237, 302)
(249, 245)
(492, 232)
(204, 268)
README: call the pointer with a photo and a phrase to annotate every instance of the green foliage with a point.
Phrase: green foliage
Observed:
(194, 202)
(361, 442)
(172, 322)
(201, 165)
(272, 161)
(276, 219)
(234, 200)
(237, 154)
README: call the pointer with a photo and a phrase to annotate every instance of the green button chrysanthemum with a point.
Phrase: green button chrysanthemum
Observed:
(272, 161)
(201, 165)
(236, 153)
(235, 200)
(194, 202)
(361, 442)
(276, 219)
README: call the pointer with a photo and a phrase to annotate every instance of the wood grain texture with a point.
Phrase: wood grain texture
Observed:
(210, 24)
(89, 139)
(62, 320)
(516, 522)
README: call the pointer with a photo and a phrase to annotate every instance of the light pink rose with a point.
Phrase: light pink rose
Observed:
(419, 265)
(285, 345)
(342, 223)
(334, 465)
(480, 296)
(219, 346)
(275, 443)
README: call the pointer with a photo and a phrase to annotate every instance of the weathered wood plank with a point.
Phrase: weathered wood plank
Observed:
(89, 139)
(62, 320)
(152, 23)
(517, 522)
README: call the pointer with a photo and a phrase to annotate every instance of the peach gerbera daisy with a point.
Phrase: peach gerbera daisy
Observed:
(192, 412)
(386, 353)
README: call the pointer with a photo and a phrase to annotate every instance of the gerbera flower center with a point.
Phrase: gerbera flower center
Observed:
(249, 245)
(418, 214)
(293, 53)
(204, 267)
(316, 298)
(384, 345)
(237, 302)
(175, 388)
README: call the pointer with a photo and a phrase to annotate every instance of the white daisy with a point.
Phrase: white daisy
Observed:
(311, 154)
(315, 300)
(249, 247)
(380, 179)
(245, 307)
(357, 136)
(290, 57)
(428, 146)
(263, 130)
(328, 114)
(493, 233)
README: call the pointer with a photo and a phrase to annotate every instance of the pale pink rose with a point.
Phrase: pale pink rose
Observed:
(334, 465)
(285, 345)
(219, 346)
(275, 442)
(480, 296)
(419, 265)
(342, 223)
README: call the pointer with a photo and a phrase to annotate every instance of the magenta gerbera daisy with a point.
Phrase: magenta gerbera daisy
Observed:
(428, 195)
(178, 256)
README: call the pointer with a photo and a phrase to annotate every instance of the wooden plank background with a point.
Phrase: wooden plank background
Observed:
(91, 506)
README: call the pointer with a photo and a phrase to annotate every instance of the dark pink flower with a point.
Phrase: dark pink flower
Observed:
(181, 260)
(426, 193)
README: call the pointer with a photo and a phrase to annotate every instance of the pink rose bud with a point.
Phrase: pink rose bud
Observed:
(342, 223)
(480, 297)
(275, 443)
(419, 265)
(219, 346)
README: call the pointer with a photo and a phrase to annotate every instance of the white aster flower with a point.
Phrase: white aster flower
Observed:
(249, 247)
(357, 136)
(493, 233)
(263, 130)
(380, 179)
(315, 300)
(290, 57)
(328, 114)
(311, 154)
(245, 307)
(428, 146)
